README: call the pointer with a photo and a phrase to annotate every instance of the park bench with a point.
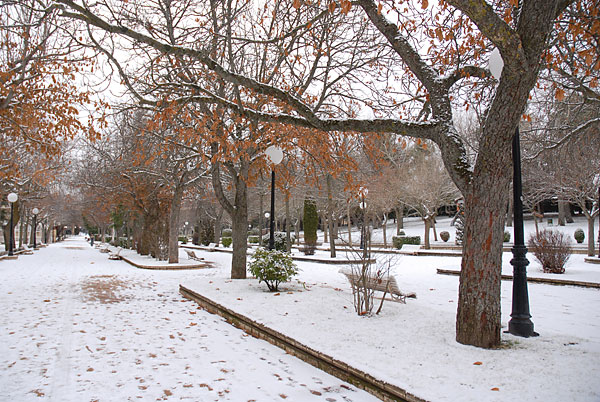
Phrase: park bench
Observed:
(387, 286)
(192, 255)
(115, 256)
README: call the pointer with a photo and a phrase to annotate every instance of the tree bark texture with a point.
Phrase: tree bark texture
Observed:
(174, 225)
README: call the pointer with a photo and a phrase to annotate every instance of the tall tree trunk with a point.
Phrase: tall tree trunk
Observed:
(427, 221)
(564, 213)
(399, 219)
(260, 219)
(330, 215)
(174, 225)
(237, 210)
(349, 225)
(478, 316)
(590, 220)
(239, 226)
(509, 213)
(217, 228)
(385, 218)
(288, 225)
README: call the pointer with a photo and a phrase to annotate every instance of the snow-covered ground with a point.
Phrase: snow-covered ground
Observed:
(413, 226)
(78, 326)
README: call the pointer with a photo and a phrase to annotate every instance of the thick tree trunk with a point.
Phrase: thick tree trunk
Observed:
(427, 242)
(564, 213)
(330, 216)
(174, 225)
(399, 219)
(239, 226)
(591, 250)
(478, 317)
(217, 228)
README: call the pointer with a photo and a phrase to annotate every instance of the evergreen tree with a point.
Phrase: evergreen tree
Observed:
(311, 222)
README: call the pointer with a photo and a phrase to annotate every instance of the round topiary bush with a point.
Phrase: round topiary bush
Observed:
(579, 235)
(226, 233)
(445, 236)
(272, 267)
(506, 236)
(226, 241)
(551, 248)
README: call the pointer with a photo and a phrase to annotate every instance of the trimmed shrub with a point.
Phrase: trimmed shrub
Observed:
(551, 248)
(445, 236)
(401, 233)
(254, 232)
(579, 235)
(311, 223)
(279, 240)
(182, 239)
(506, 236)
(226, 233)
(399, 241)
(226, 241)
(272, 267)
(253, 239)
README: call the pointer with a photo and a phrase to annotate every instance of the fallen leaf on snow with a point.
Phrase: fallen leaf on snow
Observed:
(495, 389)
(477, 364)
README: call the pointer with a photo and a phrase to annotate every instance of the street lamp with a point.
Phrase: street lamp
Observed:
(520, 323)
(35, 212)
(12, 198)
(275, 154)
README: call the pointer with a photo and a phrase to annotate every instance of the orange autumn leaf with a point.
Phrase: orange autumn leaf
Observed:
(477, 363)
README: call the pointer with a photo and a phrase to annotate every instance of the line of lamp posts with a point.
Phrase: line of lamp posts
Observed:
(12, 198)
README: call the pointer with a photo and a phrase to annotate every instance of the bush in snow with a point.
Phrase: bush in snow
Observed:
(279, 240)
(226, 241)
(551, 249)
(506, 236)
(253, 239)
(579, 235)
(445, 236)
(398, 241)
(272, 267)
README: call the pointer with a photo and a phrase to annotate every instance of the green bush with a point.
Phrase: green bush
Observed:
(226, 233)
(254, 232)
(579, 235)
(279, 240)
(445, 236)
(272, 267)
(506, 236)
(311, 223)
(399, 241)
(401, 233)
(253, 239)
(226, 241)
(182, 239)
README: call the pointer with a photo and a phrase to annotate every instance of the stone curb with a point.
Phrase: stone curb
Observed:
(548, 281)
(337, 368)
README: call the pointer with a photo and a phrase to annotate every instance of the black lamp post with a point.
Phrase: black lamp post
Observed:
(275, 154)
(35, 212)
(520, 323)
(12, 198)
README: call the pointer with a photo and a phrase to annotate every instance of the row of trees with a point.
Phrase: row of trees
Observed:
(225, 80)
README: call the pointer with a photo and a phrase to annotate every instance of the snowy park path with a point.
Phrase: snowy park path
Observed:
(76, 326)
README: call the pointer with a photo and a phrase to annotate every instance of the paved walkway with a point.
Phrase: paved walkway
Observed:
(79, 327)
